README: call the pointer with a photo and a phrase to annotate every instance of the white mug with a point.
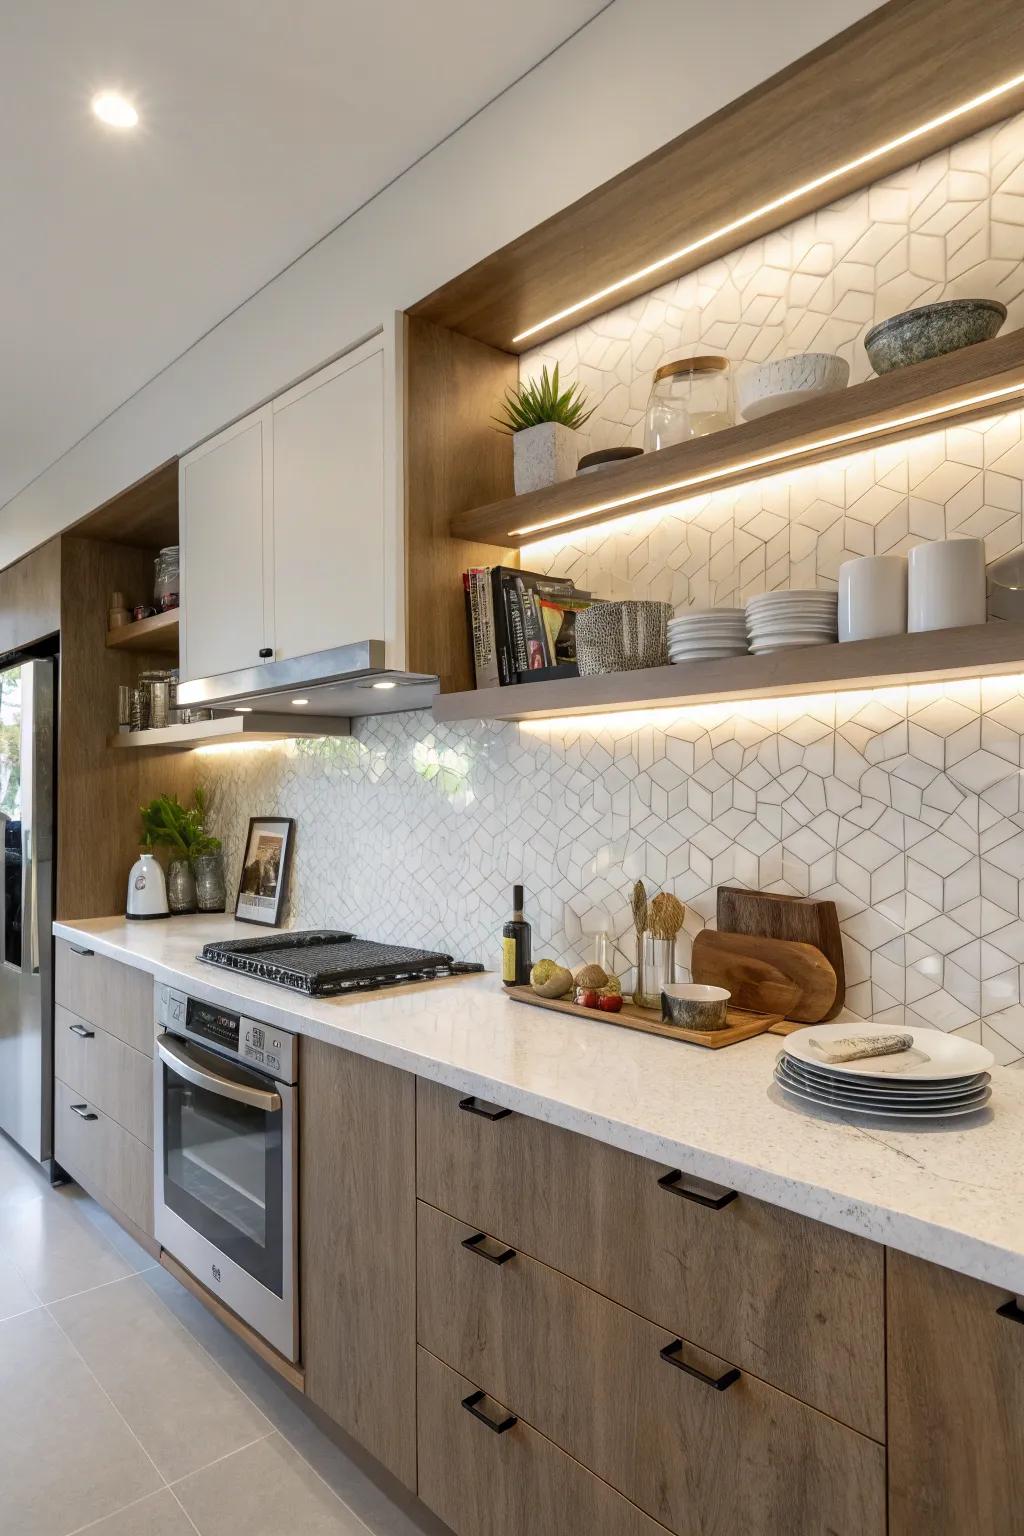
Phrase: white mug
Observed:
(946, 584)
(873, 597)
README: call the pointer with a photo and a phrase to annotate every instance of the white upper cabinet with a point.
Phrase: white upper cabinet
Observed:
(290, 524)
(222, 487)
(328, 554)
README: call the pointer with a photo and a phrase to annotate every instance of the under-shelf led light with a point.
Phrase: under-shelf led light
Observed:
(768, 460)
(792, 196)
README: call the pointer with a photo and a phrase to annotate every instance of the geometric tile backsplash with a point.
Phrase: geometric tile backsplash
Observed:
(905, 805)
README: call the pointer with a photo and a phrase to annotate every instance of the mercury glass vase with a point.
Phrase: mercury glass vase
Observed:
(181, 886)
(211, 891)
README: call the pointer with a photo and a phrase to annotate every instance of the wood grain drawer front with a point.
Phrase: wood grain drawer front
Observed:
(102, 991)
(796, 1302)
(102, 1069)
(487, 1481)
(102, 1155)
(956, 1404)
(699, 1446)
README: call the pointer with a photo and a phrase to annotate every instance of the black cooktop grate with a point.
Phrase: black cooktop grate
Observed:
(324, 963)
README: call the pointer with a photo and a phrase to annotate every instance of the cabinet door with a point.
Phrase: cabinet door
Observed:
(222, 494)
(328, 538)
(956, 1404)
(357, 1227)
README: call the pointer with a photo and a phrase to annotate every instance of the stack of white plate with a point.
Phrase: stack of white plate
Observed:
(706, 634)
(940, 1076)
(776, 621)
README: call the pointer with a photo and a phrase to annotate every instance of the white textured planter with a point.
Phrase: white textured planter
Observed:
(544, 455)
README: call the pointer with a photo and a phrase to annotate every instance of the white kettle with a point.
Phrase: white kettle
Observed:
(147, 889)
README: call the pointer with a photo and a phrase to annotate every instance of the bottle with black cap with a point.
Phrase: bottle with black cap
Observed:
(515, 945)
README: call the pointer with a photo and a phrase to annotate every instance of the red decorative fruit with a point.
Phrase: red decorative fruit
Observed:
(587, 997)
(611, 1002)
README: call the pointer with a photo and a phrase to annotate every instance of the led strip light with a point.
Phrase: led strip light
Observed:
(746, 219)
(769, 460)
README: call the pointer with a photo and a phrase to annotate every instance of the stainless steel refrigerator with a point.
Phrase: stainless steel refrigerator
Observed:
(27, 759)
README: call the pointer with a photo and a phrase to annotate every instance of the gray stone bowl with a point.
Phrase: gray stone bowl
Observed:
(931, 331)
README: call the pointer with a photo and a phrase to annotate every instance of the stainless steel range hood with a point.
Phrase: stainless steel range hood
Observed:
(351, 680)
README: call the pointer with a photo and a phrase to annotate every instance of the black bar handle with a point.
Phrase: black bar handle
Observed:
(499, 1426)
(473, 1244)
(670, 1181)
(80, 1029)
(1013, 1310)
(475, 1106)
(673, 1354)
(83, 1112)
(76, 949)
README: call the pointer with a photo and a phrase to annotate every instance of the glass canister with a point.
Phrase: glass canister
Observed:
(165, 582)
(689, 398)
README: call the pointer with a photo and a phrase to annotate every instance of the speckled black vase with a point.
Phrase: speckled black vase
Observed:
(931, 331)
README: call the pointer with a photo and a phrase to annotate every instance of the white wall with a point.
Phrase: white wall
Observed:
(642, 72)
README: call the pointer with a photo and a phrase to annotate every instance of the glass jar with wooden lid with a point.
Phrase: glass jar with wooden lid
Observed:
(691, 397)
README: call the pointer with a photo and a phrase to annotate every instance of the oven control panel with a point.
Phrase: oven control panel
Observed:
(263, 1046)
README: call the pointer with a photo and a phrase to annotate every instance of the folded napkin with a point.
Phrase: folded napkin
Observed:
(853, 1047)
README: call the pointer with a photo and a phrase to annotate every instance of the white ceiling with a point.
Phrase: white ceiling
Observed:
(263, 124)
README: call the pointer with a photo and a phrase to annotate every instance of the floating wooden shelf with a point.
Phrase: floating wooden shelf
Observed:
(231, 728)
(935, 656)
(977, 381)
(159, 633)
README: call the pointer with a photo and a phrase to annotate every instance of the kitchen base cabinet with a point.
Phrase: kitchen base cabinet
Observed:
(105, 1158)
(796, 1302)
(357, 1262)
(110, 1074)
(956, 1404)
(485, 1476)
(116, 997)
(698, 1445)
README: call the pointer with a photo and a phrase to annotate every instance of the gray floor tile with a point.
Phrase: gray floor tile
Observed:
(57, 1250)
(158, 1515)
(184, 1409)
(267, 1490)
(135, 1256)
(16, 1295)
(66, 1456)
(21, 1179)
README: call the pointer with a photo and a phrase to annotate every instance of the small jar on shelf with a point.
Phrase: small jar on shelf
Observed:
(690, 397)
(166, 579)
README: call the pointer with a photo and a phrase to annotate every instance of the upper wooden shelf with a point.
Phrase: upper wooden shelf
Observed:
(980, 380)
(901, 83)
(160, 633)
(938, 655)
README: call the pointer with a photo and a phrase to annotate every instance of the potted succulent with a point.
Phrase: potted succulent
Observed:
(194, 853)
(543, 421)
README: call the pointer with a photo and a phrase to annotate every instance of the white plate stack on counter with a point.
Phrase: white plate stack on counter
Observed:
(778, 621)
(911, 1074)
(707, 634)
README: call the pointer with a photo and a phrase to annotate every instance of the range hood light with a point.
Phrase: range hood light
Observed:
(243, 709)
(384, 685)
(297, 702)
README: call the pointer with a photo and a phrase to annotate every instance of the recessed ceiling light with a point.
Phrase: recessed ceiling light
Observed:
(114, 109)
(384, 685)
(300, 701)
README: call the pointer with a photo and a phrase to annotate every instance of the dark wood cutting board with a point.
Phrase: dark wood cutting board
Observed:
(800, 919)
(769, 975)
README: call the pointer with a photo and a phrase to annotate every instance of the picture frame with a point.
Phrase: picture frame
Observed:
(266, 862)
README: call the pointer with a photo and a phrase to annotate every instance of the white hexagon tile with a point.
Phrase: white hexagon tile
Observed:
(905, 806)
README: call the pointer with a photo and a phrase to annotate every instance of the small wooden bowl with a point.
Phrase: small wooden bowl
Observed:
(693, 1005)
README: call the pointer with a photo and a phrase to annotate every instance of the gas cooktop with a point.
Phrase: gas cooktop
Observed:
(324, 963)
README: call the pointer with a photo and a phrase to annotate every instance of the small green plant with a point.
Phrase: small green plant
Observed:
(538, 400)
(165, 821)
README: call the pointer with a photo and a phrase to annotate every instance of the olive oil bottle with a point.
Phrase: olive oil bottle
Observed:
(515, 945)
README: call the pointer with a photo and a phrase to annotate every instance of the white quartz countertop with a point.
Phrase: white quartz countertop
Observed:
(952, 1192)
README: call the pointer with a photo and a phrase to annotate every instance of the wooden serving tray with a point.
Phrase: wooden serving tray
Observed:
(741, 1025)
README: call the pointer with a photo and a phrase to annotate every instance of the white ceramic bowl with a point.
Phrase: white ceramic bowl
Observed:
(786, 381)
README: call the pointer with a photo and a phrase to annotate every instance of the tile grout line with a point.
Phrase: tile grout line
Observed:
(79, 1530)
(197, 1471)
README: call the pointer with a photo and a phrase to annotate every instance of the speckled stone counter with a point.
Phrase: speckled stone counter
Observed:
(951, 1192)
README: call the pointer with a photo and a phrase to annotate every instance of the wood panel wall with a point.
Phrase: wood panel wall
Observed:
(455, 459)
(30, 598)
(100, 790)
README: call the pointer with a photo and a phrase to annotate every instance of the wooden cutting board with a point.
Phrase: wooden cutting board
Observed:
(740, 1025)
(767, 975)
(799, 919)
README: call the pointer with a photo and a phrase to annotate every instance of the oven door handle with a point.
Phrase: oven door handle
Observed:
(178, 1059)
